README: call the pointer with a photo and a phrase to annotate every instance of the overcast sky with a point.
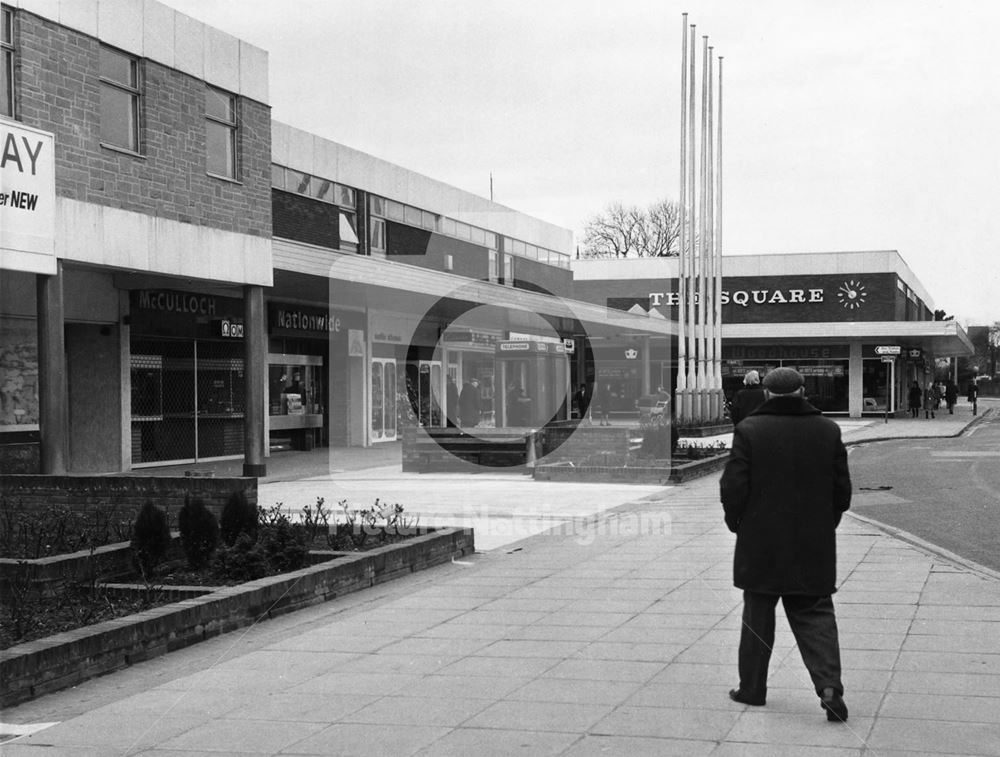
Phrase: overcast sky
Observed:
(848, 125)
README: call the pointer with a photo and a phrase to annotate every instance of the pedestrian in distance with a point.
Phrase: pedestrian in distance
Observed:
(915, 399)
(950, 396)
(973, 397)
(581, 401)
(930, 401)
(469, 409)
(602, 403)
(784, 489)
(451, 399)
(747, 399)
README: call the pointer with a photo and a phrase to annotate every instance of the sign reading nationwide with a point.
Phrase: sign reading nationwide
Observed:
(27, 199)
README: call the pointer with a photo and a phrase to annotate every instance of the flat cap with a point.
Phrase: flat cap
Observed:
(783, 381)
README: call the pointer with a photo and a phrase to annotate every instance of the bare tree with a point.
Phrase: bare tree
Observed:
(623, 231)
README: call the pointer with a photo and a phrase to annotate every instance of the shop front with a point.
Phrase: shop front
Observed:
(186, 375)
(315, 359)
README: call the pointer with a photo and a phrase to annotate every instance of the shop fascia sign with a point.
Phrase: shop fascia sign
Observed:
(27, 199)
(294, 318)
(747, 297)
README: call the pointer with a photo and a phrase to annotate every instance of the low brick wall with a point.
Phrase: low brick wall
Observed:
(125, 492)
(676, 473)
(40, 667)
(579, 442)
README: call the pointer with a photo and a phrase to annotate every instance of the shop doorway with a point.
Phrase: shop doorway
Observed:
(383, 397)
(425, 387)
(188, 401)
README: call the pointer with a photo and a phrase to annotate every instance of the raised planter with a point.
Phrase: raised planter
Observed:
(676, 473)
(46, 665)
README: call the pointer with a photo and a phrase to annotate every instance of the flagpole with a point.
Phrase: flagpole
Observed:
(710, 246)
(703, 241)
(718, 253)
(692, 248)
(680, 410)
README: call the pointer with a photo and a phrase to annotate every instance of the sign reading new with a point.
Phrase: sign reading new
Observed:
(27, 199)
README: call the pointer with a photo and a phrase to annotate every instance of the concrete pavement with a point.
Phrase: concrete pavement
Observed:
(611, 634)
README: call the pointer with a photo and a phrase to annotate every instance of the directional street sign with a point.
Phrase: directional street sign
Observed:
(888, 358)
(888, 349)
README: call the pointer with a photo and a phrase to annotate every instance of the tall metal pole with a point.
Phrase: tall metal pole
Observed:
(680, 409)
(712, 410)
(703, 237)
(692, 236)
(718, 252)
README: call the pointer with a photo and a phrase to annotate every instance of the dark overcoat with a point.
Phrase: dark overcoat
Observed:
(745, 402)
(783, 491)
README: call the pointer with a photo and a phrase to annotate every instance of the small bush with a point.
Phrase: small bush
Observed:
(284, 546)
(244, 560)
(238, 517)
(199, 532)
(150, 538)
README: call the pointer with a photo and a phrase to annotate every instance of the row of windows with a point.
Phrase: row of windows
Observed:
(121, 104)
(121, 112)
(6, 62)
(301, 183)
(383, 208)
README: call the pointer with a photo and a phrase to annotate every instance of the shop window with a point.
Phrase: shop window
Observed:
(119, 99)
(220, 133)
(6, 62)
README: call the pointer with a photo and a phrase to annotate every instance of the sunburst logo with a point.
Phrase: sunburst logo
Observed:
(852, 294)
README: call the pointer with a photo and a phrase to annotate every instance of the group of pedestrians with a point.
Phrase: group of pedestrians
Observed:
(930, 399)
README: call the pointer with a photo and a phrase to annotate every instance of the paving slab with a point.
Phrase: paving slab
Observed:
(623, 642)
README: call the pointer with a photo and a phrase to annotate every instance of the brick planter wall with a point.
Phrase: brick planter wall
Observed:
(40, 667)
(125, 492)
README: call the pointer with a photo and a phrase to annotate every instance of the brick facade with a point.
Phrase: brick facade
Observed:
(58, 90)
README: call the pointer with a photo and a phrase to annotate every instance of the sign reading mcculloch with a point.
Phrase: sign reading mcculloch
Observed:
(27, 199)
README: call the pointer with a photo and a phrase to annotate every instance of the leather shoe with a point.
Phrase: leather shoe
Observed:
(739, 696)
(833, 703)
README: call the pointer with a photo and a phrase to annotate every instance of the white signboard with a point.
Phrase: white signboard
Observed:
(27, 199)
(888, 349)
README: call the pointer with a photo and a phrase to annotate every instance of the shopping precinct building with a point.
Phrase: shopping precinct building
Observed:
(183, 278)
(832, 316)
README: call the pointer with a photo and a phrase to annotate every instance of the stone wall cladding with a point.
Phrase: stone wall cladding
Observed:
(40, 667)
(59, 91)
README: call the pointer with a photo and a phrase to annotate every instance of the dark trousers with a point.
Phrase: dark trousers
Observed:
(814, 626)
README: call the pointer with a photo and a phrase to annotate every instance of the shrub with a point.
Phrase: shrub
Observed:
(284, 546)
(199, 532)
(243, 561)
(150, 538)
(238, 517)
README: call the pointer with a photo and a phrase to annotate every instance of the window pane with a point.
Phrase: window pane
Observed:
(323, 190)
(378, 234)
(478, 235)
(277, 176)
(411, 215)
(345, 196)
(118, 125)
(220, 105)
(448, 226)
(118, 67)
(296, 181)
(378, 206)
(6, 34)
(348, 232)
(394, 210)
(6, 86)
(221, 153)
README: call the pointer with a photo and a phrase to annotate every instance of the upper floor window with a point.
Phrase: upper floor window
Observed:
(494, 266)
(119, 99)
(378, 234)
(6, 62)
(220, 133)
(508, 270)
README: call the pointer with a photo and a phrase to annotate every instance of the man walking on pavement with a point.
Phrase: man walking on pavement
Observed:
(784, 490)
